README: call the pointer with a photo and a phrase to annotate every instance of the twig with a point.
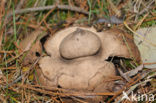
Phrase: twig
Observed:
(11, 59)
(150, 19)
(149, 63)
(88, 94)
(62, 7)
(9, 52)
(32, 26)
(145, 73)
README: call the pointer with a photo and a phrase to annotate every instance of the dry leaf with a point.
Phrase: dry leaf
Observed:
(147, 51)
(32, 44)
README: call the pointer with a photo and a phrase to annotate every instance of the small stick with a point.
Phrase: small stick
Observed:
(3, 51)
(62, 7)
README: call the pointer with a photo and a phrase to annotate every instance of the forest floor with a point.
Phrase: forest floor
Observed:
(19, 19)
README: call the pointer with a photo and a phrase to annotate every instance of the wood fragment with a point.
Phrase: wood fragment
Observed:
(61, 7)
(66, 94)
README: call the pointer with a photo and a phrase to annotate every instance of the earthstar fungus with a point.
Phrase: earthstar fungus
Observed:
(77, 58)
